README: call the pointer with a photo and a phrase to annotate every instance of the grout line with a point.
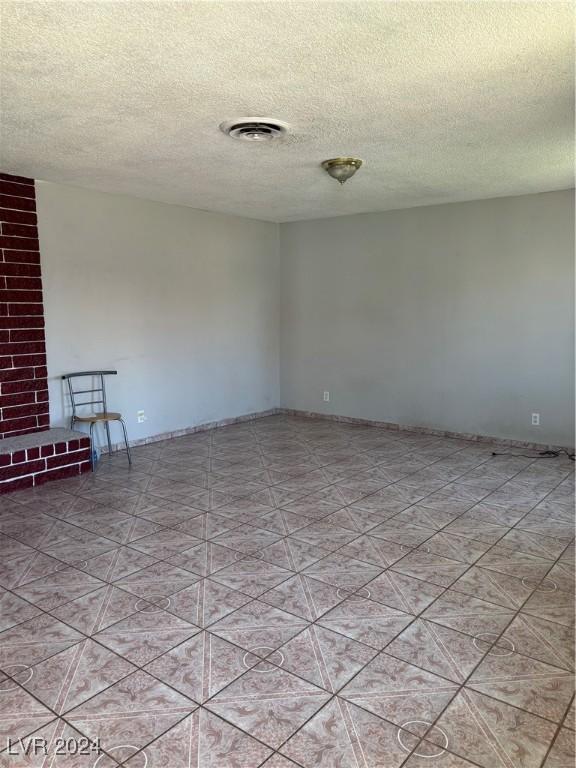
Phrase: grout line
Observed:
(356, 471)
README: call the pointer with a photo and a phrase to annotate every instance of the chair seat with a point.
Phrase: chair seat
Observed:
(92, 417)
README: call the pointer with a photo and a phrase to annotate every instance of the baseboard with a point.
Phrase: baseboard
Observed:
(504, 442)
(205, 427)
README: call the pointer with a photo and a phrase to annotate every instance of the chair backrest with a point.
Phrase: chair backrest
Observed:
(97, 392)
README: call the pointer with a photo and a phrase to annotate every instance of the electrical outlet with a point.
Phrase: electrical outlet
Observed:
(535, 419)
(326, 397)
(141, 416)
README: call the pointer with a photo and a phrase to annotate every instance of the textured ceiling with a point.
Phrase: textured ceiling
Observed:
(444, 101)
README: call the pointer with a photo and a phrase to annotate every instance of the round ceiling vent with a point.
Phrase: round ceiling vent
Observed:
(254, 128)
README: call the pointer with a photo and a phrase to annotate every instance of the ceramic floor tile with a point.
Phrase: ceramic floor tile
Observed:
(514, 563)
(325, 535)
(347, 594)
(495, 587)
(20, 713)
(146, 634)
(393, 498)
(545, 525)
(200, 667)
(493, 734)
(323, 657)
(35, 640)
(341, 735)
(543, 640)
(371, 549)
(426, 517)
(293, 555)
(159, 579)
(563, 574)
(430, 567)
(364, 620)
(402, 532)
(116, 563)
(201, 740)
(258, 627)
(26, 567)
(247, 538)
(164, 543)
(131, 713)
(278, 496)
(14, 610)
(278, 761)
(305, 597)
(314, 510)
(99, 609)
(74, 553)
(438, 649)
(402, 592)
(343, 571)
(562, 754)
(550, 603)
(354, 519)
(533, 543)
(469, 615)
(479, 530)
(268, 703)
(427, 754)
(204, 559)
(494, 514)
(526, 683)
(456, 547)
(74, 675)
(280, 522)
(59, 587)
(400, 693)
(340, 494)
(205, 602)
(206, 526)
(251, 575)
(454, 498)
(113, 524)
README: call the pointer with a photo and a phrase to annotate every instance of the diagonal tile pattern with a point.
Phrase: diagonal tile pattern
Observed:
(268, 703)
(400, 692)
(293, 593)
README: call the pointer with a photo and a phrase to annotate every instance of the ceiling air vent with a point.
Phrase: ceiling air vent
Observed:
(254, 128)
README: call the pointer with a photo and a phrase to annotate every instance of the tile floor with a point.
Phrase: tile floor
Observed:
(290, 593)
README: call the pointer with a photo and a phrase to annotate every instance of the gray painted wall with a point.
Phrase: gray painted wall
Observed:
(185, 304)
(456, 317)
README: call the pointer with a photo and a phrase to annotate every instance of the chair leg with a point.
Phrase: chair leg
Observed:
(92, 445)
(126, 441)
(107, 424)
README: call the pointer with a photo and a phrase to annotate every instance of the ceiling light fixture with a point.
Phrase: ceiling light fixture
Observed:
(254, 128)
(342, 168)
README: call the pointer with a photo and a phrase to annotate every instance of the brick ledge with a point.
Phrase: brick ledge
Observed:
(35, 458)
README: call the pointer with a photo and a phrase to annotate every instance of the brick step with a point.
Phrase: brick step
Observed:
(36, 458)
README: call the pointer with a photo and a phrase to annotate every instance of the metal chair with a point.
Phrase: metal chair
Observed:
(104, 416)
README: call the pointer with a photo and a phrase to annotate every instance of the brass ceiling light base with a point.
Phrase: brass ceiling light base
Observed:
(342, 168)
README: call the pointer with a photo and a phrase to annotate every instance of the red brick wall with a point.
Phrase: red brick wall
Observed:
(23, 383)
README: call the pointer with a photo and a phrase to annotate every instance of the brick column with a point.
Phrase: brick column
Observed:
(23, 374)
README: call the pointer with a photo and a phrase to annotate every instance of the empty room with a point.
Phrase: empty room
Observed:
(287, 384)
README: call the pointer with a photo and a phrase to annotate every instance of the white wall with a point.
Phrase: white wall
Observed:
(457, 317)
(184, 303)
